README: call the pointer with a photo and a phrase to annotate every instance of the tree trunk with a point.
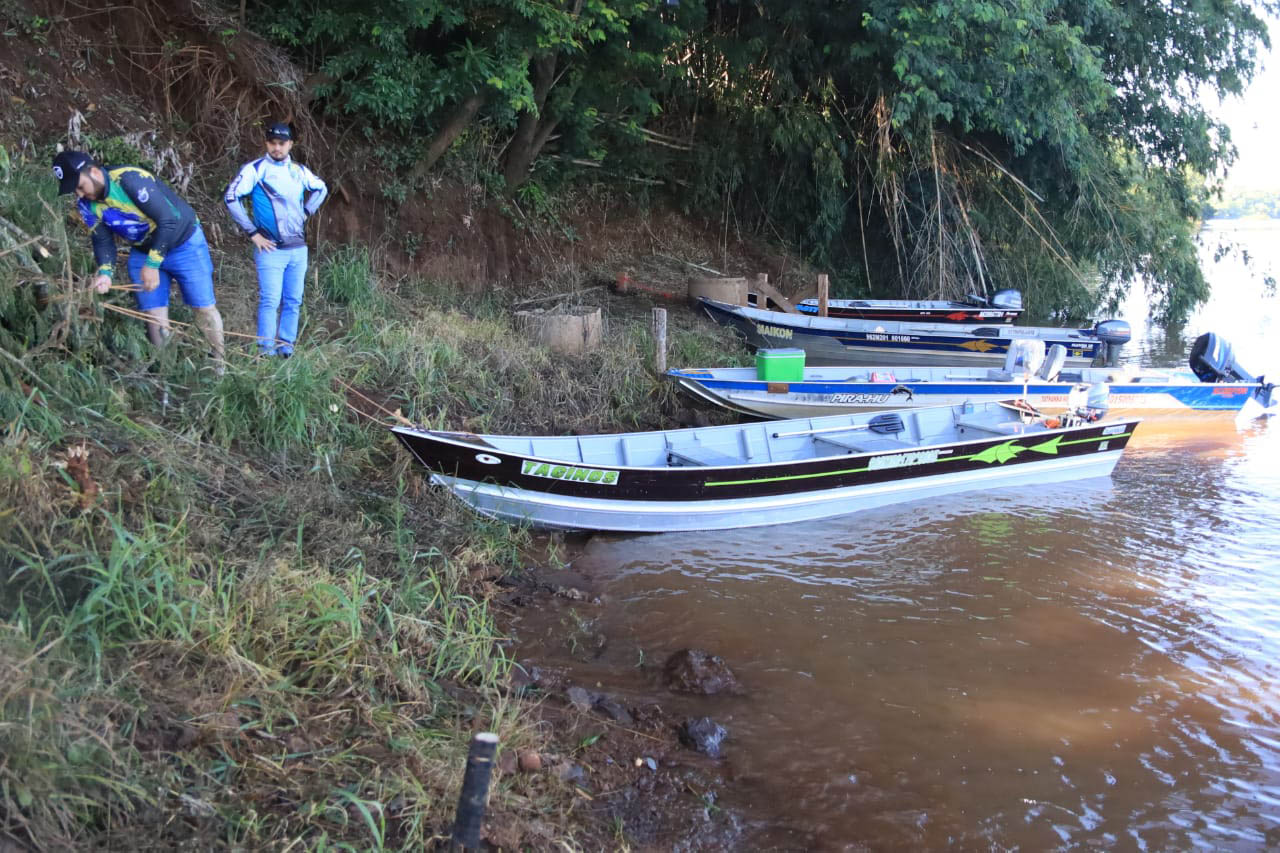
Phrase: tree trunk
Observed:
(528, 140)
(453, 127)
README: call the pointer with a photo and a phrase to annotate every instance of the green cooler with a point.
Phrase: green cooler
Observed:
(780, 365)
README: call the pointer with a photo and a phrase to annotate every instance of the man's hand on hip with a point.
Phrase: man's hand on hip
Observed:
(150, 278)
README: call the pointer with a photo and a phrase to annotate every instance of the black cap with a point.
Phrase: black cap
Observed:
(279, 130)
(67, 167)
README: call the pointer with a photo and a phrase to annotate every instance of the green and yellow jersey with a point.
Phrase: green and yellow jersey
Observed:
(142, 210)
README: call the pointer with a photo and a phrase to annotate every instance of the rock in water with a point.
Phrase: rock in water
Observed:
(696, 671)
(703, 734)
(581, 698)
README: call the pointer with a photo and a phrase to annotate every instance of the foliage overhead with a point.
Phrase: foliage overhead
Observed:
(916, 148)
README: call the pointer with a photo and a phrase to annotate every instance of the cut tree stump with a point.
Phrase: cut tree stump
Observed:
(719, 288)
(571, 331)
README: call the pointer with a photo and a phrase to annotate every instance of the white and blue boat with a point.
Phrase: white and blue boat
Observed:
(1215, 383)
(835, 341)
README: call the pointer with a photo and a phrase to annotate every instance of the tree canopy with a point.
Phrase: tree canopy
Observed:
(924, 149)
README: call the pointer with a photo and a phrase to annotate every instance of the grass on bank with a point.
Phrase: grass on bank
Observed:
(231, 612)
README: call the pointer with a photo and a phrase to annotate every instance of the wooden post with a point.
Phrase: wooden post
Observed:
(765, 294)
(660, 340)
(475, 793)
(822, 294)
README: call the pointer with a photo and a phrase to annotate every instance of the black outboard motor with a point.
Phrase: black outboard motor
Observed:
(1113, 334)
(1213, 361)
(1009, 300)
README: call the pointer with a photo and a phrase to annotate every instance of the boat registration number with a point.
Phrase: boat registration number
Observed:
(568, 472)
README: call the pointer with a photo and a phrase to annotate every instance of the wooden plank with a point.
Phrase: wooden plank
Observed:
(763, 290)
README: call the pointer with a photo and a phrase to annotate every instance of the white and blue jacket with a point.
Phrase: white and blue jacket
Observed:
(278, 196)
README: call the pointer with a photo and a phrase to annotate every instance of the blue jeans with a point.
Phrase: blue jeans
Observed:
(281, 276)
(188, 264)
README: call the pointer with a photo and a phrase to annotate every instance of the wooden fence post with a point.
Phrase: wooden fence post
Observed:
(822, 294)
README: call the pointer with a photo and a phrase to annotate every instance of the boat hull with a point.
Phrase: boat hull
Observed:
(904, 312)
(829, 342)
(518, 506)
(739, 391)
(524, 487)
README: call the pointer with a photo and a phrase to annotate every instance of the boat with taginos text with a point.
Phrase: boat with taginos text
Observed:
(746, 475)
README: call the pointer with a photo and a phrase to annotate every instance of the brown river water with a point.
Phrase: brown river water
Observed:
(1093, 664)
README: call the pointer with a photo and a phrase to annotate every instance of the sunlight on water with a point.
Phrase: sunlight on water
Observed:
(1094, 663)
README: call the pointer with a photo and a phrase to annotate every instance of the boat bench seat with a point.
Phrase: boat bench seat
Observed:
(702, 456)
(1004, 428)
(864, 443)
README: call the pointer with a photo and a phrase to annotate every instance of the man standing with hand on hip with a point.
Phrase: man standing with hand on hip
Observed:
(168, 244)
(282, 194)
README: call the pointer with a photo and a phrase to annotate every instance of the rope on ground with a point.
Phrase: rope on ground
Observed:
(395, 416)
(147, 318)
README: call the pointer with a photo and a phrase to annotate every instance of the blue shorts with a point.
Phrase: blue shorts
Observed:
(189, 264)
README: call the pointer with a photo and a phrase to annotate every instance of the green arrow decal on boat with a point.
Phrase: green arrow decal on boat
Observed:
(1001, 453)
(1050, 446)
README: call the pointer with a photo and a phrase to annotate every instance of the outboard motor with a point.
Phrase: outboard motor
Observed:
(1113, 334)
(1097, 402)
(1009, 300)
(1213, 361)
(1089, 403)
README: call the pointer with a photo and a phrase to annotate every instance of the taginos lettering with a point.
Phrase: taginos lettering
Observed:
(774, 331)
(902, 460)
(569, 472)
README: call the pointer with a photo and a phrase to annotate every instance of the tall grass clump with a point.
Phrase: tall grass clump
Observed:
(347, 276)
(276, 404)
(64, 783)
